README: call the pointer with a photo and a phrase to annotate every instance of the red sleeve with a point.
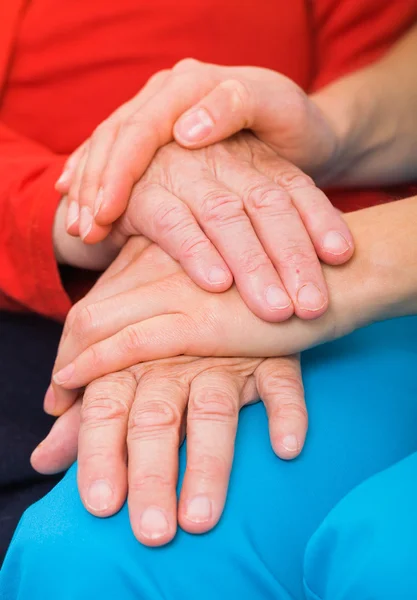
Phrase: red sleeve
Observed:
(349, 34)
(29, 275)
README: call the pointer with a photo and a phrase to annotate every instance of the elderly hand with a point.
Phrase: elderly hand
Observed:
(131, 424)
(220, 102)
(237, 204)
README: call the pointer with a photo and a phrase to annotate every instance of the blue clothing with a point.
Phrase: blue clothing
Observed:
(338, 523)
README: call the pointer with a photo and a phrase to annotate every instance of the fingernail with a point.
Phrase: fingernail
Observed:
(153, 523)
(310, 297)
(217, 275)
(335, 243)
(86, 221)
(63, 178)
(64, 374)
(100, 495)
(290, 443)
(49, 402)
(195, 126)
(98, 202)
(199, 509)
(276, 297)
(73, 214)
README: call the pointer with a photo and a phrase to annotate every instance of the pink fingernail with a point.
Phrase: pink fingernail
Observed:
(98, 202)
(217, 275)
(73, 214)
(199, 509)
(86, 221)
(276, 298)
(290, 443)
(63, 179)
(335, 243)
(310, 297)
(100, 495)
(64, 374)
(153, 523)
(195, 126)
(49, 402)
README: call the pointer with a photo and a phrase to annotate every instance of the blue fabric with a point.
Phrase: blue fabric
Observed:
(323, 517)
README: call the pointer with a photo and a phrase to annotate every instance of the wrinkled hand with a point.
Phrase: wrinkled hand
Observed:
(143, 413)
(236, 205)
(220, 101)
(145, 308)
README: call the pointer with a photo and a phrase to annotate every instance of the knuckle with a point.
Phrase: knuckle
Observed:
(239, 93)
(131, 339)
(168, 218)
(252, 261)
(209, 467)
(107, 402)
(218, 207)
(185, 64)
(290, 410)
(85, 322)
(263, 198)
(71, 317)
(286, 385)
(298, 255)
(152, 418)
(213, 405)
(194, 245)
(145, 481)
(294, 179)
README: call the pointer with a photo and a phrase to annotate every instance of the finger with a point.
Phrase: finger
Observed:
(170, 223)
(102, 469)
(153, 442)
(100, 320)
(64, 181)
(211, 430)
(328, 231)
(143, 133)
(283, 236)
(280, 386)
(80, 219)
(227, 109)
(159, 337)
(101, 142)
(222, 216)
(58, 450)
(122, 275)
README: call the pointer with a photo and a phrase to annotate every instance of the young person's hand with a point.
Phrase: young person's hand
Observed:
(131, 318)
(237, 211)
(128, 427)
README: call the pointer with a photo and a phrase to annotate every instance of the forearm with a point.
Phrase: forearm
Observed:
(374, 114)
(381, 279)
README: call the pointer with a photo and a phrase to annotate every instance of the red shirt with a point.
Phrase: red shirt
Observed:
(64, 66)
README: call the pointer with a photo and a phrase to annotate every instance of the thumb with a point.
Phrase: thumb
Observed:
(58, 450)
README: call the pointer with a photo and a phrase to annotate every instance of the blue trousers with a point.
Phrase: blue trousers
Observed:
(338, 523)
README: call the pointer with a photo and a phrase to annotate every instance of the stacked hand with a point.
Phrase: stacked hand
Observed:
(144, 411)
(242, 208)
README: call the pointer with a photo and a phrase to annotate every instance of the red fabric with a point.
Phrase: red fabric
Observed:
(64, 66)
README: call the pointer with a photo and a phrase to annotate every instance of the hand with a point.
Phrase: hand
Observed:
(237, 205)
(145, 307)
(143, 413)
(221, 101)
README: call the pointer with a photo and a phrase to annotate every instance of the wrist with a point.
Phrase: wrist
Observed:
(380, 281)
